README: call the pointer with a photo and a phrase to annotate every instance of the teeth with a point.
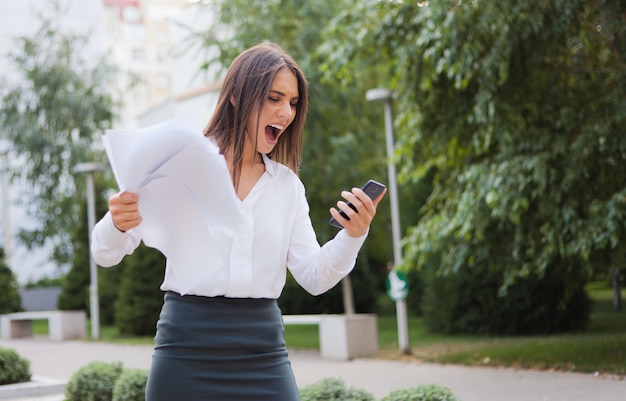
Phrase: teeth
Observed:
(278, 127)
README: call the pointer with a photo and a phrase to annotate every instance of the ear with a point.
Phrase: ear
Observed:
(232, 100)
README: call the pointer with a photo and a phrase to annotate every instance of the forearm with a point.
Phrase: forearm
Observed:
(322, 269)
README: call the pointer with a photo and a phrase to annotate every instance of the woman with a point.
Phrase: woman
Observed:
(223, 340)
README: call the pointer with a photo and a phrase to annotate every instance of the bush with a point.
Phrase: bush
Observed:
(10, 300)
(429, 392)
(131, 385)
(468, 302)
(13, 368)
(331, 389)
(93, 382)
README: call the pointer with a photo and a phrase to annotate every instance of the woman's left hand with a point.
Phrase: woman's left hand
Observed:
(360, 219)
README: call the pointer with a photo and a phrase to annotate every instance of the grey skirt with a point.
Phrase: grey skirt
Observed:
(220, 349)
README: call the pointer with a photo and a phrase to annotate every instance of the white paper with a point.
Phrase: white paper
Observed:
(186, 196)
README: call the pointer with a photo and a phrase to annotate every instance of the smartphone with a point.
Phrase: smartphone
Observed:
(371, 188)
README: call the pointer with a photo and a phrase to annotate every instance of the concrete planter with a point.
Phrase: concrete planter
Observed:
(347, 337)
(38, 386)
(343, 336)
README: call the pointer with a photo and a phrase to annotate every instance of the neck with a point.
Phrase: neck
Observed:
(251, 156)
(250, 159)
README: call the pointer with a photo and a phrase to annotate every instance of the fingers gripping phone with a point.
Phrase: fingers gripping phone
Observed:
(371, 188)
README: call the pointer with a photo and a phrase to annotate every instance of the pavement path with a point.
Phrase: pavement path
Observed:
(60, 360)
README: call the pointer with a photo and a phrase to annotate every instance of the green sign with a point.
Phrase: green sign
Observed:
(397, 285)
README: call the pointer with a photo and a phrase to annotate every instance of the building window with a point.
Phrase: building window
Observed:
(161, 56)
(137, 54)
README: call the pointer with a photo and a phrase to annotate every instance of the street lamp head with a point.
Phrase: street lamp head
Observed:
(87, 167)
(379, 94)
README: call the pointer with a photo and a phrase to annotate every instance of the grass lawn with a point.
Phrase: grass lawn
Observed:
(602, 348)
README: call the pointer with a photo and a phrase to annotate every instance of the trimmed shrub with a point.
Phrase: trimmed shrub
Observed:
(13, 368)
(131, 385)
(93, 382)
(429, 392)
(331, 389)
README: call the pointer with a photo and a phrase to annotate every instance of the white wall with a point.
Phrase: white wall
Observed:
(19, 18)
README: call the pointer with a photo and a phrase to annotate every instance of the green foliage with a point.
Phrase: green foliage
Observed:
(518, 108)
(44, 282)
(93, 382)
(140, 299)
(75, 283)
(415, 296)
(331, 389)
(109, 281)
(13, 368)
(75, 289)
(52, 112)
(429, 392)
(468, 301)
(10, 300)
(131, 385)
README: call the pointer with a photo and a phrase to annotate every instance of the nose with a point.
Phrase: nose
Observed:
(286, 110)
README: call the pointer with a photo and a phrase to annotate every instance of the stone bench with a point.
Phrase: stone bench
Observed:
(62, 324)
(342, 336)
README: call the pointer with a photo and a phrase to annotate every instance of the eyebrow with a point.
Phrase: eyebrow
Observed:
(296, 98)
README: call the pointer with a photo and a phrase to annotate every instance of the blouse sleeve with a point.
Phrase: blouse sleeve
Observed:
(109, 245)
(318, 269)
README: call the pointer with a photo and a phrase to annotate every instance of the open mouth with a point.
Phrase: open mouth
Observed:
(272, 132)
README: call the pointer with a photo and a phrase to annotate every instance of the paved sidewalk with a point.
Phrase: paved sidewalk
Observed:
(59, 360)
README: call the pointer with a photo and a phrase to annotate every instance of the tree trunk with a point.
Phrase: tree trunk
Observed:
(348, 298)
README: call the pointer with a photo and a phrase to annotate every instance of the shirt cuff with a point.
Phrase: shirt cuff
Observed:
(111, 235)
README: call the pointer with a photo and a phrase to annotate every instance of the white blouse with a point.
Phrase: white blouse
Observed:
(277, 234)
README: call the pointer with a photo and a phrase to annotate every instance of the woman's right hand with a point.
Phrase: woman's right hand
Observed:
(124, 208)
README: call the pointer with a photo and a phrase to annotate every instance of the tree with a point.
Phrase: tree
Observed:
(52, 114)
(140, 299)
(518, 108)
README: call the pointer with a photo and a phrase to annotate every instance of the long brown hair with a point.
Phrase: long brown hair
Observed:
(247, 85)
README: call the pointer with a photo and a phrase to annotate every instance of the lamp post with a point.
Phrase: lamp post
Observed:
(387, 96)
(5, 172)
(89, 169)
